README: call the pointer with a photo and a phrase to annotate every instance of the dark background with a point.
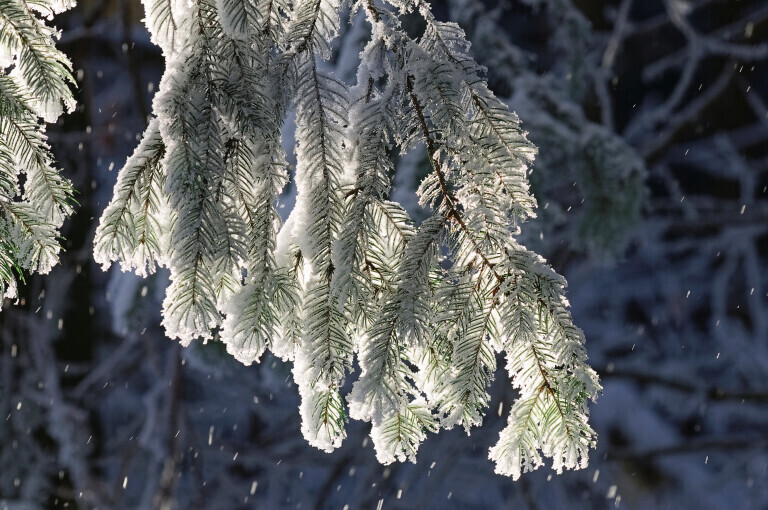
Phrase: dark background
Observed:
(652, 127)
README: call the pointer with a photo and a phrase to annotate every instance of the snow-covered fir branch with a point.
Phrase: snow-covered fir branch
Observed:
(426, 307)
(34, 87)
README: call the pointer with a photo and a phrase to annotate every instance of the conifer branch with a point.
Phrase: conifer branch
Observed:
(426, 309)
(34, 84)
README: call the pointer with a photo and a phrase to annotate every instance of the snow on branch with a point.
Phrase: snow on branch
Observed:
(34, 84)
(425, 308)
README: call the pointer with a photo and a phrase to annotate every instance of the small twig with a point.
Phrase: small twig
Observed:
(651, 151)
(618, 35)
(450, 201)
(715, 393)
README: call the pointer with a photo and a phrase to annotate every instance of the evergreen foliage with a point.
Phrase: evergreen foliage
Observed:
(590, 181)
(34, 197)
(425, 307)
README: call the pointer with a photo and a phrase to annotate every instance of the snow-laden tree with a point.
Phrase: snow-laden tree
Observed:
(34, 197)
(425, 308)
